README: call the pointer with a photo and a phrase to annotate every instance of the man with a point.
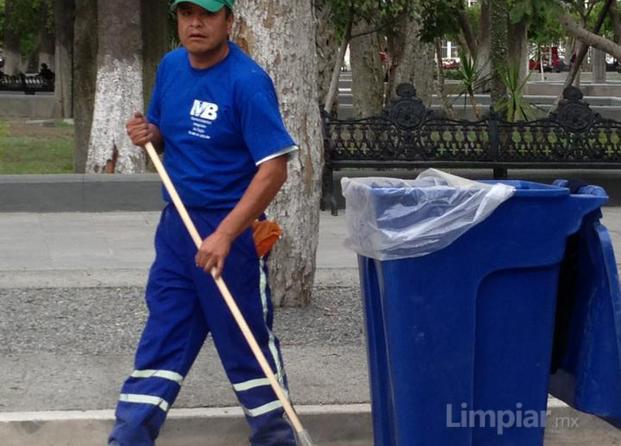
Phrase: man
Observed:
(214, 113)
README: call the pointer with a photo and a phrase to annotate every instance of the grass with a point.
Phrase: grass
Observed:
(36, 148)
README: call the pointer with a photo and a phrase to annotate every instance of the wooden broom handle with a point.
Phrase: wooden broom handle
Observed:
(224, 290)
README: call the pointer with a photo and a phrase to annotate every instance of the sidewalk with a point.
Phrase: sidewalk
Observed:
(71, 291)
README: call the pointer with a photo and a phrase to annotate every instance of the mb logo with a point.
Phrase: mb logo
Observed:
(204, 110)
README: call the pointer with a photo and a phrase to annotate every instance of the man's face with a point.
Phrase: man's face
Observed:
(201, 31)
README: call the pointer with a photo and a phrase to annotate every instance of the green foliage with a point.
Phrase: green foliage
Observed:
(545, 29)
(27, 19)
(2, 15)
(468, 74)
(515, 107)
(474, 16)
(439, 19)
(378, 14)
(527, 9)
(607, 30)
(471, 78)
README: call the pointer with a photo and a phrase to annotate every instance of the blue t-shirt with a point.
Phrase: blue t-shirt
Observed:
(218, 125)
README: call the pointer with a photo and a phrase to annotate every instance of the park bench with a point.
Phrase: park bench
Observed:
(409, 135)
(28, 84)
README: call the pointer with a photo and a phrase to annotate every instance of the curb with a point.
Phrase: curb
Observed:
(328, 425)
(80, 193)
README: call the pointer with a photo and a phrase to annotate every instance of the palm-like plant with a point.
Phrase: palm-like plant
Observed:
(471, 79)
(514, 106)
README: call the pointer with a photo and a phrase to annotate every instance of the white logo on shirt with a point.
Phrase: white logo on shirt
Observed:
(204, 110)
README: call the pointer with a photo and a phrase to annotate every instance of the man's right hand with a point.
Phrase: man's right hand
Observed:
(140, 131)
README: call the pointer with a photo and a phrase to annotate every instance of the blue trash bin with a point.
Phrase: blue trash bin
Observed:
(460, 340)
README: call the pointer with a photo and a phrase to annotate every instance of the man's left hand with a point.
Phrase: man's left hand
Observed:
(213, 252)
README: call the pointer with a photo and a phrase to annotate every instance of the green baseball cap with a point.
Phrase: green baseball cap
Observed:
(209, 5)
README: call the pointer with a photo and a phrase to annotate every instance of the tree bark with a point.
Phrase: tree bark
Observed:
(119, 91)
(331, 97)
(47, 38)
(155, 32)
(412, 60)
(367, 72)
(598, 66)
(12, 56)
(85, 77)
(616, 20)
(280, 35)
(518, 48)
(63, 24)
(483, 64)
(468, 34)
(446, 102)
(499, 37)
(327, 46)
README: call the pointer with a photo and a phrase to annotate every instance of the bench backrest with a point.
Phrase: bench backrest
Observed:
(407, 131)
(25, 83)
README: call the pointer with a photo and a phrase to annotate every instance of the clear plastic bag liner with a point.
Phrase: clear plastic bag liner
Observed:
(390, 219)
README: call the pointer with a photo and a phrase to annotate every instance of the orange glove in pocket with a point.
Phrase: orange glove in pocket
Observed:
(265, 233)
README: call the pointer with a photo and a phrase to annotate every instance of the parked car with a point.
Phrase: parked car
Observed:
(613, 66)
(450, 64)
(557, 66)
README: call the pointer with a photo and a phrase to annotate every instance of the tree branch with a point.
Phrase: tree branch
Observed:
(587, 37)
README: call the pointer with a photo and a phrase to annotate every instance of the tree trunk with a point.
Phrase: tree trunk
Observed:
(85, 78)
(332, 96)
(155, 32)
(598, 64)
(499, 38)
(616, 20)
(518, 48)
(412, 60)
(280, 35)
(12, 56)
(367, 72)
(483, 64)
(47, 38)
(327, 46)
(64, 23)
(446, 102)
(468, 34)
(119, 88)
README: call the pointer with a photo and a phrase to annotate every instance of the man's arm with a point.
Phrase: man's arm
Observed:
(266, 183)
